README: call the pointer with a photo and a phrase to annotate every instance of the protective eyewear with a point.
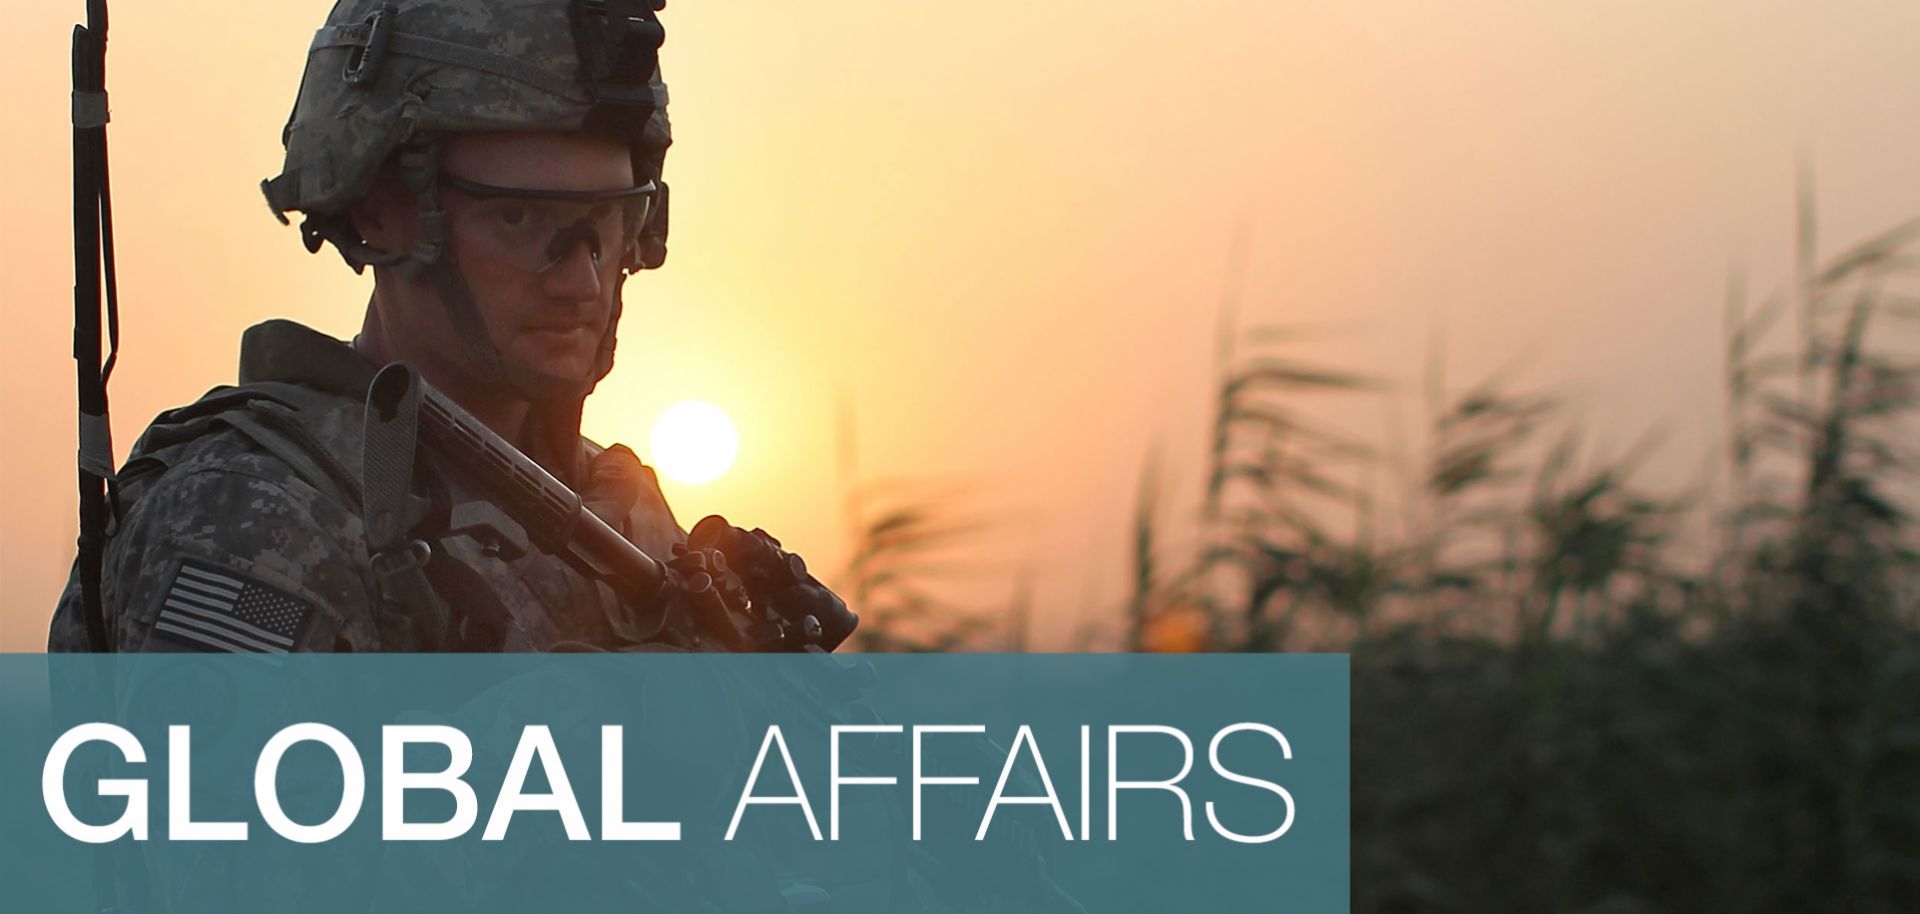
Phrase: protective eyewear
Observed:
(533, 230)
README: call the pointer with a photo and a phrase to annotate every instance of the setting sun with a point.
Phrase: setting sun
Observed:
(694, 442)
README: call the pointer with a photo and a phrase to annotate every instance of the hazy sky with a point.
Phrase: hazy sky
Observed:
(1001, 232)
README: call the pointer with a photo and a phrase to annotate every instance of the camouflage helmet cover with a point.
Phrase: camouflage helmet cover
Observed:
(383, 75)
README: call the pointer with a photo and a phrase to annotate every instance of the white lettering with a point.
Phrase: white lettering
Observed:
(1115, 785)
(536, 741)
(396, 780)
(613, 795)
(799, 798)
(834, 778)
(1024, 737)
(920, 779)
(1213, 758)
(1086, 781)
(266, 789)
(53, 785)
(180, 824)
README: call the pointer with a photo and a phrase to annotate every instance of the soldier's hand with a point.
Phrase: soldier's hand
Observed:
(774, 586)
(614, 482)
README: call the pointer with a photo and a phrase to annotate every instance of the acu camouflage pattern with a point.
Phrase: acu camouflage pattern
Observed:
(524, 75)
(201, 484)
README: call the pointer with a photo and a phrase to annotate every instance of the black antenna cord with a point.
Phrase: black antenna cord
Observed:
(93, 280)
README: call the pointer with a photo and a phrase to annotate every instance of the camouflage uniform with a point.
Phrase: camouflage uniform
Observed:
(246, 508)
(215, 486)
(237, 519)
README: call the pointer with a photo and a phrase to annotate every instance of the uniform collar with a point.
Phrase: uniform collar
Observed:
(293, 353)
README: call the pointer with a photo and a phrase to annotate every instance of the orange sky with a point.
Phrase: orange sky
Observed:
(1001, 232)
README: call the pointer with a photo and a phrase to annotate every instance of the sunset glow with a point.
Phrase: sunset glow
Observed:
(694, 442)
(997, 253)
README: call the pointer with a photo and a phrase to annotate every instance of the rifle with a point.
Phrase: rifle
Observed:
(739, 589)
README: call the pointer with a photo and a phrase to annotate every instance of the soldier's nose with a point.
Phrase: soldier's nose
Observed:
(576, 275)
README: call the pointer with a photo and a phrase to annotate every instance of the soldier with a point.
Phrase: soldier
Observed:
(498, 166)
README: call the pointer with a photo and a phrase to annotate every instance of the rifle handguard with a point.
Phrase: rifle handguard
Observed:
(554, 516)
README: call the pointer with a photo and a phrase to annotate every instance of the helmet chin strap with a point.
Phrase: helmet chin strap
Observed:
(556, 399)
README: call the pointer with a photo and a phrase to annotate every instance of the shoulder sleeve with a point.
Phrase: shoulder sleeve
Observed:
(651, 524)
(626, 494)
(239, 555)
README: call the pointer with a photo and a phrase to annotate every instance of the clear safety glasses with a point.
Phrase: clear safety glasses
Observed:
(533, 230)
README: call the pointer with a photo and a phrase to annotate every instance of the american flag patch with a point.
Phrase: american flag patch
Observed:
(210, 608)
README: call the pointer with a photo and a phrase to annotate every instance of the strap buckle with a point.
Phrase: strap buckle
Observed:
(410, 557)
(363, 64)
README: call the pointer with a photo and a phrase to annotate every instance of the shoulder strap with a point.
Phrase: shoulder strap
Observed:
(267, 414)
(274, 427)
(389, 512)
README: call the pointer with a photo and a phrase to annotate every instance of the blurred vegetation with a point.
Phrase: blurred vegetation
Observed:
(904, 533)
(908, 539)
(1570, 692)
(1553, 710)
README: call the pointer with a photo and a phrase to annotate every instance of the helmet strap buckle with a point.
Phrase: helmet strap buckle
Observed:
(363, 65)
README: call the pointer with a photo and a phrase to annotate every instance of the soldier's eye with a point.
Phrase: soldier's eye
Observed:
(512, 216)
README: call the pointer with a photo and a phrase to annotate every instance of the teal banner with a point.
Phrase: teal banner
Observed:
(674, 782)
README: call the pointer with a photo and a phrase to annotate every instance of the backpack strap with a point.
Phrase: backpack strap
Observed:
(267, 414)
(390, 511)
(274, 416)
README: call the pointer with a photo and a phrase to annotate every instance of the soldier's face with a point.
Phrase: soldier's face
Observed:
(550, 320)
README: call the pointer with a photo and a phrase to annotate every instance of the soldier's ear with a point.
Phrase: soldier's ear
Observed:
(388, 217)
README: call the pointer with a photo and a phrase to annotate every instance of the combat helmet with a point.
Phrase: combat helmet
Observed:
(385, 80)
